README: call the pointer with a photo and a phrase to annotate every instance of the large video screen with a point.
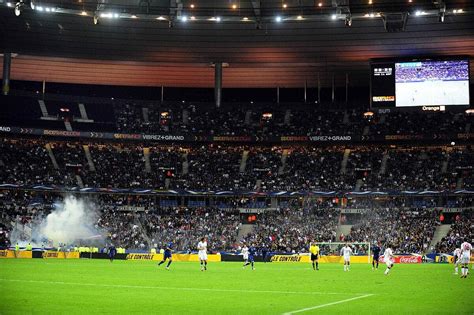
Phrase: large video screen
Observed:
(420, 83)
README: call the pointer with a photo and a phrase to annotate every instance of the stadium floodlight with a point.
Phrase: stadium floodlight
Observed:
(441, 17)
(348, 20)
(184, 19)
(218, 19)
(299, 17)
(278, 19)
(334, 16)
(19, 7)
(470, 111)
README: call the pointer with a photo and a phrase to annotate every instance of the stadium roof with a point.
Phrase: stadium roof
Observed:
(153, 43)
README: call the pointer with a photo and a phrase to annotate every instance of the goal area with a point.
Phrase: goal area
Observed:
(334, 248)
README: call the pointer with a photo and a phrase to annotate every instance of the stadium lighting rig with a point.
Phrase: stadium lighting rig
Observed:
(338, 10)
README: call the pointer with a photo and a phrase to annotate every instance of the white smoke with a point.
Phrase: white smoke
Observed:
(72, 221)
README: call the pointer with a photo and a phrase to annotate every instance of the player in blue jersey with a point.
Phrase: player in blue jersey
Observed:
(264, 251)
(112, 252)
(252, 254)
(375, 259)
(167, 255)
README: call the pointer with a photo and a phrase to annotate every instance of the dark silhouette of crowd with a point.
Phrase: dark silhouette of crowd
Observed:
(215, 167)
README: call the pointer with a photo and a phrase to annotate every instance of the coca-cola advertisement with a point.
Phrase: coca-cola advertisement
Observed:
(404, 259)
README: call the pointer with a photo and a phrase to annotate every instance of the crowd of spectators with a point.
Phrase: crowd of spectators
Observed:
(461, 229)
(214, 167)
(184, 227)
(299, 120)
(292, 229)
(407, 230)
(140, 222)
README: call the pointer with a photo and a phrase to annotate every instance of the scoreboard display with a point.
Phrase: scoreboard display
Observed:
(424, 82)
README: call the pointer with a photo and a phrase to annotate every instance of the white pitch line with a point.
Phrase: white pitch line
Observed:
(327, 304)
(175, 288)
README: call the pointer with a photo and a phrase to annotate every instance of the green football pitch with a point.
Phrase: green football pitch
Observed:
(98, 286)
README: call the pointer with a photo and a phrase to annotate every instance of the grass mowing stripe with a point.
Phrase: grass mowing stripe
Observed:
(178, 288)
(327, 304)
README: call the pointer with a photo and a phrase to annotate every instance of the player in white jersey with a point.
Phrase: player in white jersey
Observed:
(346, 252)
(457, 257)
(202, 248)
(388, 258)
(466, 248)
(245, 254)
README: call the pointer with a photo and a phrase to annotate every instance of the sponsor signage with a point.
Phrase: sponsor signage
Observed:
(142, 257)
(330, 138)
(405, 259)
(246, 139)
(441, 108)
(256, 210)
(286, 258)
(130, 208)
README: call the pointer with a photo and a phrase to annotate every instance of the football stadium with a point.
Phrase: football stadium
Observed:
(236, 157)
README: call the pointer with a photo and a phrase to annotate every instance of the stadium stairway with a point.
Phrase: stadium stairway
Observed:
(444, 167)
(440, 232)
(145, 114)
(44, 110)
(51, 155)
(185, 116)
(67, 125)
(244, 229)
(345, 120)
(82, 110)
(142, 230)
(146, 155)
(382, 119)
(383, 166)
(347, 152)
(284, 156)
(287, 119)
(185, 165)
(366, 130)
(243, 162)
(343, 229)
(90, 162)
(79, 181)
(248, 117)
